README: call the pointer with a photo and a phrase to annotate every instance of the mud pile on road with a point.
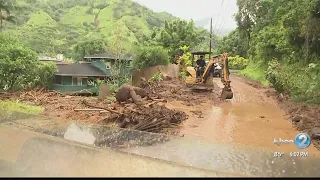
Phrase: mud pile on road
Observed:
(173, 89)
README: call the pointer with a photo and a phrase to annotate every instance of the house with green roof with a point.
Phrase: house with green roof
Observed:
(78, 78)
(82, 77)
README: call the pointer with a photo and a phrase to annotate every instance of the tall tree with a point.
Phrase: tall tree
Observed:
(233, 44)
(179, 33)
(5, 10)
(89, 47)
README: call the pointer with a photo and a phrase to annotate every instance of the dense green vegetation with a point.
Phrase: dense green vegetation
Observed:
(77, 27)
(51, 27)
(281, 39)
(238, 62)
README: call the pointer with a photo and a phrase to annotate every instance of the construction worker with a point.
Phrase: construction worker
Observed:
(200, 66)
(176, 59)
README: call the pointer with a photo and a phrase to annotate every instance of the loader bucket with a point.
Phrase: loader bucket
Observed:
(191, 71)
(226, 93)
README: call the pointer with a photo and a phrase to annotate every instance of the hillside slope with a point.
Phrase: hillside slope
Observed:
(51, 27)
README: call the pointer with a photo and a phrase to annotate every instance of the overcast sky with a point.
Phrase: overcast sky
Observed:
(220, 10)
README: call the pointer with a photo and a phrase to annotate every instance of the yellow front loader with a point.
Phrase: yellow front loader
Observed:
(205, 82)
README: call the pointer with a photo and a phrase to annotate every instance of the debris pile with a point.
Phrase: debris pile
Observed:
(37, 96)
(174, 89)
(150, 117)
(139, 108)
(134, 109)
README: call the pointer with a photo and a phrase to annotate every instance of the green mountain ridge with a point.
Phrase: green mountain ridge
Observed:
(51, 27)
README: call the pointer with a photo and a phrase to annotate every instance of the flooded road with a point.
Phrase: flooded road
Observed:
(236, 137)
(35, 156)
(250, 118)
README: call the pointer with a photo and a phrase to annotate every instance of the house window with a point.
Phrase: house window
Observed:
(58, 79)
(76, 81)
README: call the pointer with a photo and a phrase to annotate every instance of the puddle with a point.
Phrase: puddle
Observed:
(78, 134)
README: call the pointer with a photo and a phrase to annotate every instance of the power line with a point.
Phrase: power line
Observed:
(216, 22)
(224, 21)
(220, 31)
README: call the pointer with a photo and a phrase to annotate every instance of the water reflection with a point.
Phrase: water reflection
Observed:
(79, 134)
(102, 136)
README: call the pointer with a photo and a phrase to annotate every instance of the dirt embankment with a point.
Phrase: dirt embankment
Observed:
(151, 115)
(304, 117)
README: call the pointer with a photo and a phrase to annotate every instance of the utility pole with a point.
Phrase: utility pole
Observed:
(210, 38)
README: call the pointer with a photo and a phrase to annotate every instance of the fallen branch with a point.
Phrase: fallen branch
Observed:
(150, 119)
(148, 105)
(158, 122)
(161, 100)
(132, 110)
(107, 109)
(88, 109)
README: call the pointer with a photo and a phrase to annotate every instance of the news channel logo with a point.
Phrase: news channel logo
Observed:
(302, 140)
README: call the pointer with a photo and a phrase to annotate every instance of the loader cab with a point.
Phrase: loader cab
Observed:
(196, 55)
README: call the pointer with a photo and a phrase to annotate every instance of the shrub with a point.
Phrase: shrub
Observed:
(185, 59)
(273, 75)
(20, 66)
(183, 75)
(44, 74)
(17, 65)
(302, 83)
(238, 62)
(150, 56)
(156, 77)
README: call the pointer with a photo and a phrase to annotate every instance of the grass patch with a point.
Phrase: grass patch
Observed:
(255, 73)
(17, 106)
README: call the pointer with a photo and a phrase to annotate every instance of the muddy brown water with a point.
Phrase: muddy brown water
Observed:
(237, 135)
(250, 118)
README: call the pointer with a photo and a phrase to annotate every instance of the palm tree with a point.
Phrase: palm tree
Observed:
(5, 8)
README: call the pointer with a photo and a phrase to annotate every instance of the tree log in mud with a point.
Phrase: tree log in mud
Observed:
(127, 91)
